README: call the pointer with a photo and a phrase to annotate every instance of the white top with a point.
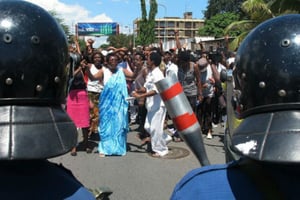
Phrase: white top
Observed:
(106, 74)
(220, 67)
(94, 86)
(207, 74)
(153, 102)
(230, 60)
(171, 68)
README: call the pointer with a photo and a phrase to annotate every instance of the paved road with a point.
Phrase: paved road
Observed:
(137, 176)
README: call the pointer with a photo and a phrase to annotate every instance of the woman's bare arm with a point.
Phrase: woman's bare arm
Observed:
(92, 77)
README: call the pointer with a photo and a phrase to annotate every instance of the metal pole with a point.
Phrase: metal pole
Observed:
(183, 116)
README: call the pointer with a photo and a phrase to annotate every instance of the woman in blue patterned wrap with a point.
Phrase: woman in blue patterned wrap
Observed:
(113, 108)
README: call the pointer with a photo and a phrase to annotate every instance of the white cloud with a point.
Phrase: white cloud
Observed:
(71, 13)
(99, 2)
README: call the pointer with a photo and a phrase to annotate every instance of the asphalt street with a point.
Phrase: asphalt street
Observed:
(137, 175)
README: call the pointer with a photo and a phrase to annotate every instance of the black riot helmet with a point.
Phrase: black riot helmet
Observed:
(33, 60)
(266, 94)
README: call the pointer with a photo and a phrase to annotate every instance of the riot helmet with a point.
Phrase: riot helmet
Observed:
(34, 56)
(266, 92)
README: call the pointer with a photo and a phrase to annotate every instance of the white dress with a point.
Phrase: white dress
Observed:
(156, 113)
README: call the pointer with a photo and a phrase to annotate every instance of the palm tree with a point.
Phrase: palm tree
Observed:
(283, 6)
(259, 11)
(146, 34)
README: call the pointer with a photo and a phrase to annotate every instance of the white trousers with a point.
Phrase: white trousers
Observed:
(154, 125)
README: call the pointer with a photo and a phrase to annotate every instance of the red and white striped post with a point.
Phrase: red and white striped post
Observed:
(184, 119)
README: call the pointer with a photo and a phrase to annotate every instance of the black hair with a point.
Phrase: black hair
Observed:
(156, 58)
(184, 56)
(141, 55)
(168, 52)
(110, 55)
(95, 53)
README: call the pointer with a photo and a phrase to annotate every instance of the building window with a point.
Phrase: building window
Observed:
(171, 25)
(171, 33)
(162, 24)
(188, 33)
(188, 25)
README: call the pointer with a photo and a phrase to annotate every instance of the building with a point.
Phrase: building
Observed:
(187, 27)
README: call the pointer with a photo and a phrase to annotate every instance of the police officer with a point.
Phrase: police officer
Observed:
(33, 125)
(266, 100)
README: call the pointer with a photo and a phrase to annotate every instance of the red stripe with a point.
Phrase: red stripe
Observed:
(184, 121)
(173, 91)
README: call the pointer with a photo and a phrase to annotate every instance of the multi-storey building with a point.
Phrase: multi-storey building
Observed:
(187, 27)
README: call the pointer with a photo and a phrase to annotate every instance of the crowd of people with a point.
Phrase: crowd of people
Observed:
(264, 95)
(117, 88)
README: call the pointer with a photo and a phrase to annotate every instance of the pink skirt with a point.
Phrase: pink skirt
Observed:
(78, 108)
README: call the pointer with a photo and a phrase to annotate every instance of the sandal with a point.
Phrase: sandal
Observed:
(145, 140)
(177, 139)
(73, 152)
(101, 155)
(156, 155)
(88, 150)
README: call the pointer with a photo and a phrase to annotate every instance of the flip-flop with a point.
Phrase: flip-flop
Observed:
(101, 155)
(156, 155)
(74, 153)
(177, 139)
(145, 140)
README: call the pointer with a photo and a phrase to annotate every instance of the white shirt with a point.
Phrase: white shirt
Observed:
(209, 90)
(94, 86)
(153, 102)
(171, 68)
(220, 67)
(230, 60)
(106, 74)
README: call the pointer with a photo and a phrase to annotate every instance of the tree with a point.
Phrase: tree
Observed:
(120, 40)
(215, 25)
(285, 6)
(146, 34)
(61, 22)
(70, 37)
(257, 12)
(82, 43)
(223, 6)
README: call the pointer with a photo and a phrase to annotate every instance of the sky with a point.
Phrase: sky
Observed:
(123, 12)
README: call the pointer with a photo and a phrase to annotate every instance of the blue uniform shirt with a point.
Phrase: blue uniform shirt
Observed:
(231, 181)
(39, 180)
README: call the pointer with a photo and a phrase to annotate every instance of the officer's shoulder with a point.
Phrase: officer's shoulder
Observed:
(207, 171)
(210, 176)
(208, 182)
